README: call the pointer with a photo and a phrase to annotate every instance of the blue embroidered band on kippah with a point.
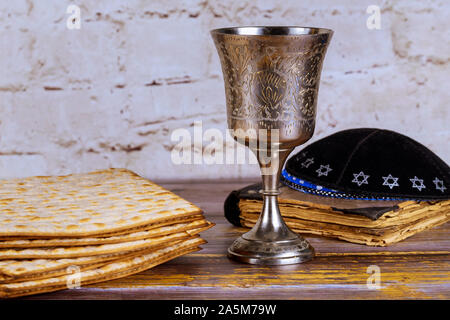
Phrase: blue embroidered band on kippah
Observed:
(311, 188)
(304, 183)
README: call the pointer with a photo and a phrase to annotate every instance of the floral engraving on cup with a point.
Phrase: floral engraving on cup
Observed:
(268, 90)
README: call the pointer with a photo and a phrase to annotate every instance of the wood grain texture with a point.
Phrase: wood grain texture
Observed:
(417, 268)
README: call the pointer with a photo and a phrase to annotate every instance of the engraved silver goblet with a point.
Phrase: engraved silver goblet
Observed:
(271, 77)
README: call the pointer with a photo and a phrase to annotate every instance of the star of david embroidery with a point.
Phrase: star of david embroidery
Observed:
(360, 179)
(417, 186)
(307, 162)
(321, 172)
(390, 181)
(439, 184)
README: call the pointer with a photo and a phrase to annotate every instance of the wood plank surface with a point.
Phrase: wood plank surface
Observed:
(416, 268)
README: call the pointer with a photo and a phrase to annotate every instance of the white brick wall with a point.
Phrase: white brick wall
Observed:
(111, 93)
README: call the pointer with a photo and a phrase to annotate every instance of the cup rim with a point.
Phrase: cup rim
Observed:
(279, 31)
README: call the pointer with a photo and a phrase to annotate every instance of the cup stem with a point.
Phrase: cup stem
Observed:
(270, 225)
(270, 241)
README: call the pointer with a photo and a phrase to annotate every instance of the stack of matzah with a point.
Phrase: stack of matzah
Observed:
(89, 228)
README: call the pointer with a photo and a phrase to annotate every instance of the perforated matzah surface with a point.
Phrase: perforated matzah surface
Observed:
(85, 204)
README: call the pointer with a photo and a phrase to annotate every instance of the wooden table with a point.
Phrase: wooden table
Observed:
(416, 268)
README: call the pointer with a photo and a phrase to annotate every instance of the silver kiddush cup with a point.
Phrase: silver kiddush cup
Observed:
(271, 77)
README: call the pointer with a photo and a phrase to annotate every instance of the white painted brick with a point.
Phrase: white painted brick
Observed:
(22, 165)
(111, 93)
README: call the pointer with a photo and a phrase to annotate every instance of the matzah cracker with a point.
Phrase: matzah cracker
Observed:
(201, 228)
(87, 204)
(10, 269)
(65, 242)
(109, 271)
(85, 251)
(146, 227)
(95, 263)
(151, 226)
(52, 274)
(21, 268)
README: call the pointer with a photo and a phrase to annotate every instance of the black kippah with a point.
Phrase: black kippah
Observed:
(372, 164)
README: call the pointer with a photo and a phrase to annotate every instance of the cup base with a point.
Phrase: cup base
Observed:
(282, 252)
